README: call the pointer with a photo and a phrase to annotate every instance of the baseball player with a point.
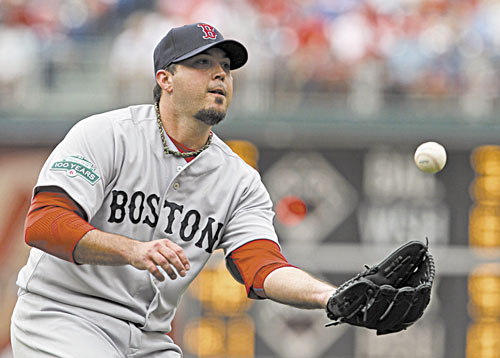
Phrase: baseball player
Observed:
(131, 204)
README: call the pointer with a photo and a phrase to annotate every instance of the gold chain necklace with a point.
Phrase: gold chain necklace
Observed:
(167, 150)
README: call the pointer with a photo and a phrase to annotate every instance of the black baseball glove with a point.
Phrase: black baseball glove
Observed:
(390, 296)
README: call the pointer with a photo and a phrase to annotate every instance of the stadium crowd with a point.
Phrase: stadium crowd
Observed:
(384, 50)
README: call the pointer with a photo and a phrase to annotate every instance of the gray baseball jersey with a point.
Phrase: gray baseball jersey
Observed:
(113, 165)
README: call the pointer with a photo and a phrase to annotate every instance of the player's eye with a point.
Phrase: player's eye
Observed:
(199, 62)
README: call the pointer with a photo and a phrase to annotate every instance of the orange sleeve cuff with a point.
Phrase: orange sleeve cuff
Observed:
(53, 226)
(254, 261)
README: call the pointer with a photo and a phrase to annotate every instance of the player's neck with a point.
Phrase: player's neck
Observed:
(184, 128)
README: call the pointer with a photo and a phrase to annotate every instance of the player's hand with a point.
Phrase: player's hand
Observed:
(164, 253)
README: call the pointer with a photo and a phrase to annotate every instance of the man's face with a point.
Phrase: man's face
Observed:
(203, 86)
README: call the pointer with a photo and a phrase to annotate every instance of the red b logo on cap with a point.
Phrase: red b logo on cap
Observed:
(209, 31)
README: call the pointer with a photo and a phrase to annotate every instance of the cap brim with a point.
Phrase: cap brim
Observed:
(236, 52)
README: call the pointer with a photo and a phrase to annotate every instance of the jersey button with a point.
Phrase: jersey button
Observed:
(179, 168)
(176, 186)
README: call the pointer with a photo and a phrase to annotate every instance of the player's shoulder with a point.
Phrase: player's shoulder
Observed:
(231, 158)
(134, 114)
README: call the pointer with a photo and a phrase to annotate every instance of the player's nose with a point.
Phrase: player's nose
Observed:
(219, 72)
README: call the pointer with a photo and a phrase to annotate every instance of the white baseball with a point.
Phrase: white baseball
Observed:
(430, 157)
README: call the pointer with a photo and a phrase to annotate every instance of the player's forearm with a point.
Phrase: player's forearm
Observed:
(294, 287)
(101, 248)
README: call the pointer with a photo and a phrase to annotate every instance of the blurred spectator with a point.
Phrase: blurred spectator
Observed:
(130, 58)
(18, 49)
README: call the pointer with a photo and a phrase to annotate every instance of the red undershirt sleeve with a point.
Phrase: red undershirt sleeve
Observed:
(251, 263)
(53, 225)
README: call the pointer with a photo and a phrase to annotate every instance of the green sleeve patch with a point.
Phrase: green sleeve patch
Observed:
(76, 165)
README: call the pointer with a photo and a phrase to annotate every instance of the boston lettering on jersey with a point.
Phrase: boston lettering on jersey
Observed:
(134, 207)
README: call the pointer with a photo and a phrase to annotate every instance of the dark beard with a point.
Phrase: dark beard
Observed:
(210, 116)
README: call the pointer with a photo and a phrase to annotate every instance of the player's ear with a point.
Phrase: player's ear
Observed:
(164, 80)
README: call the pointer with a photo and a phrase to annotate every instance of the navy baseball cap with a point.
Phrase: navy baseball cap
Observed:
(181, 43)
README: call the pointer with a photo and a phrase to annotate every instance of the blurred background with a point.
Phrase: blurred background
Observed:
(334, 100)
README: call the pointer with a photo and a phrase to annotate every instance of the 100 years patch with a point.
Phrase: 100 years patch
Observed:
(77, 165)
